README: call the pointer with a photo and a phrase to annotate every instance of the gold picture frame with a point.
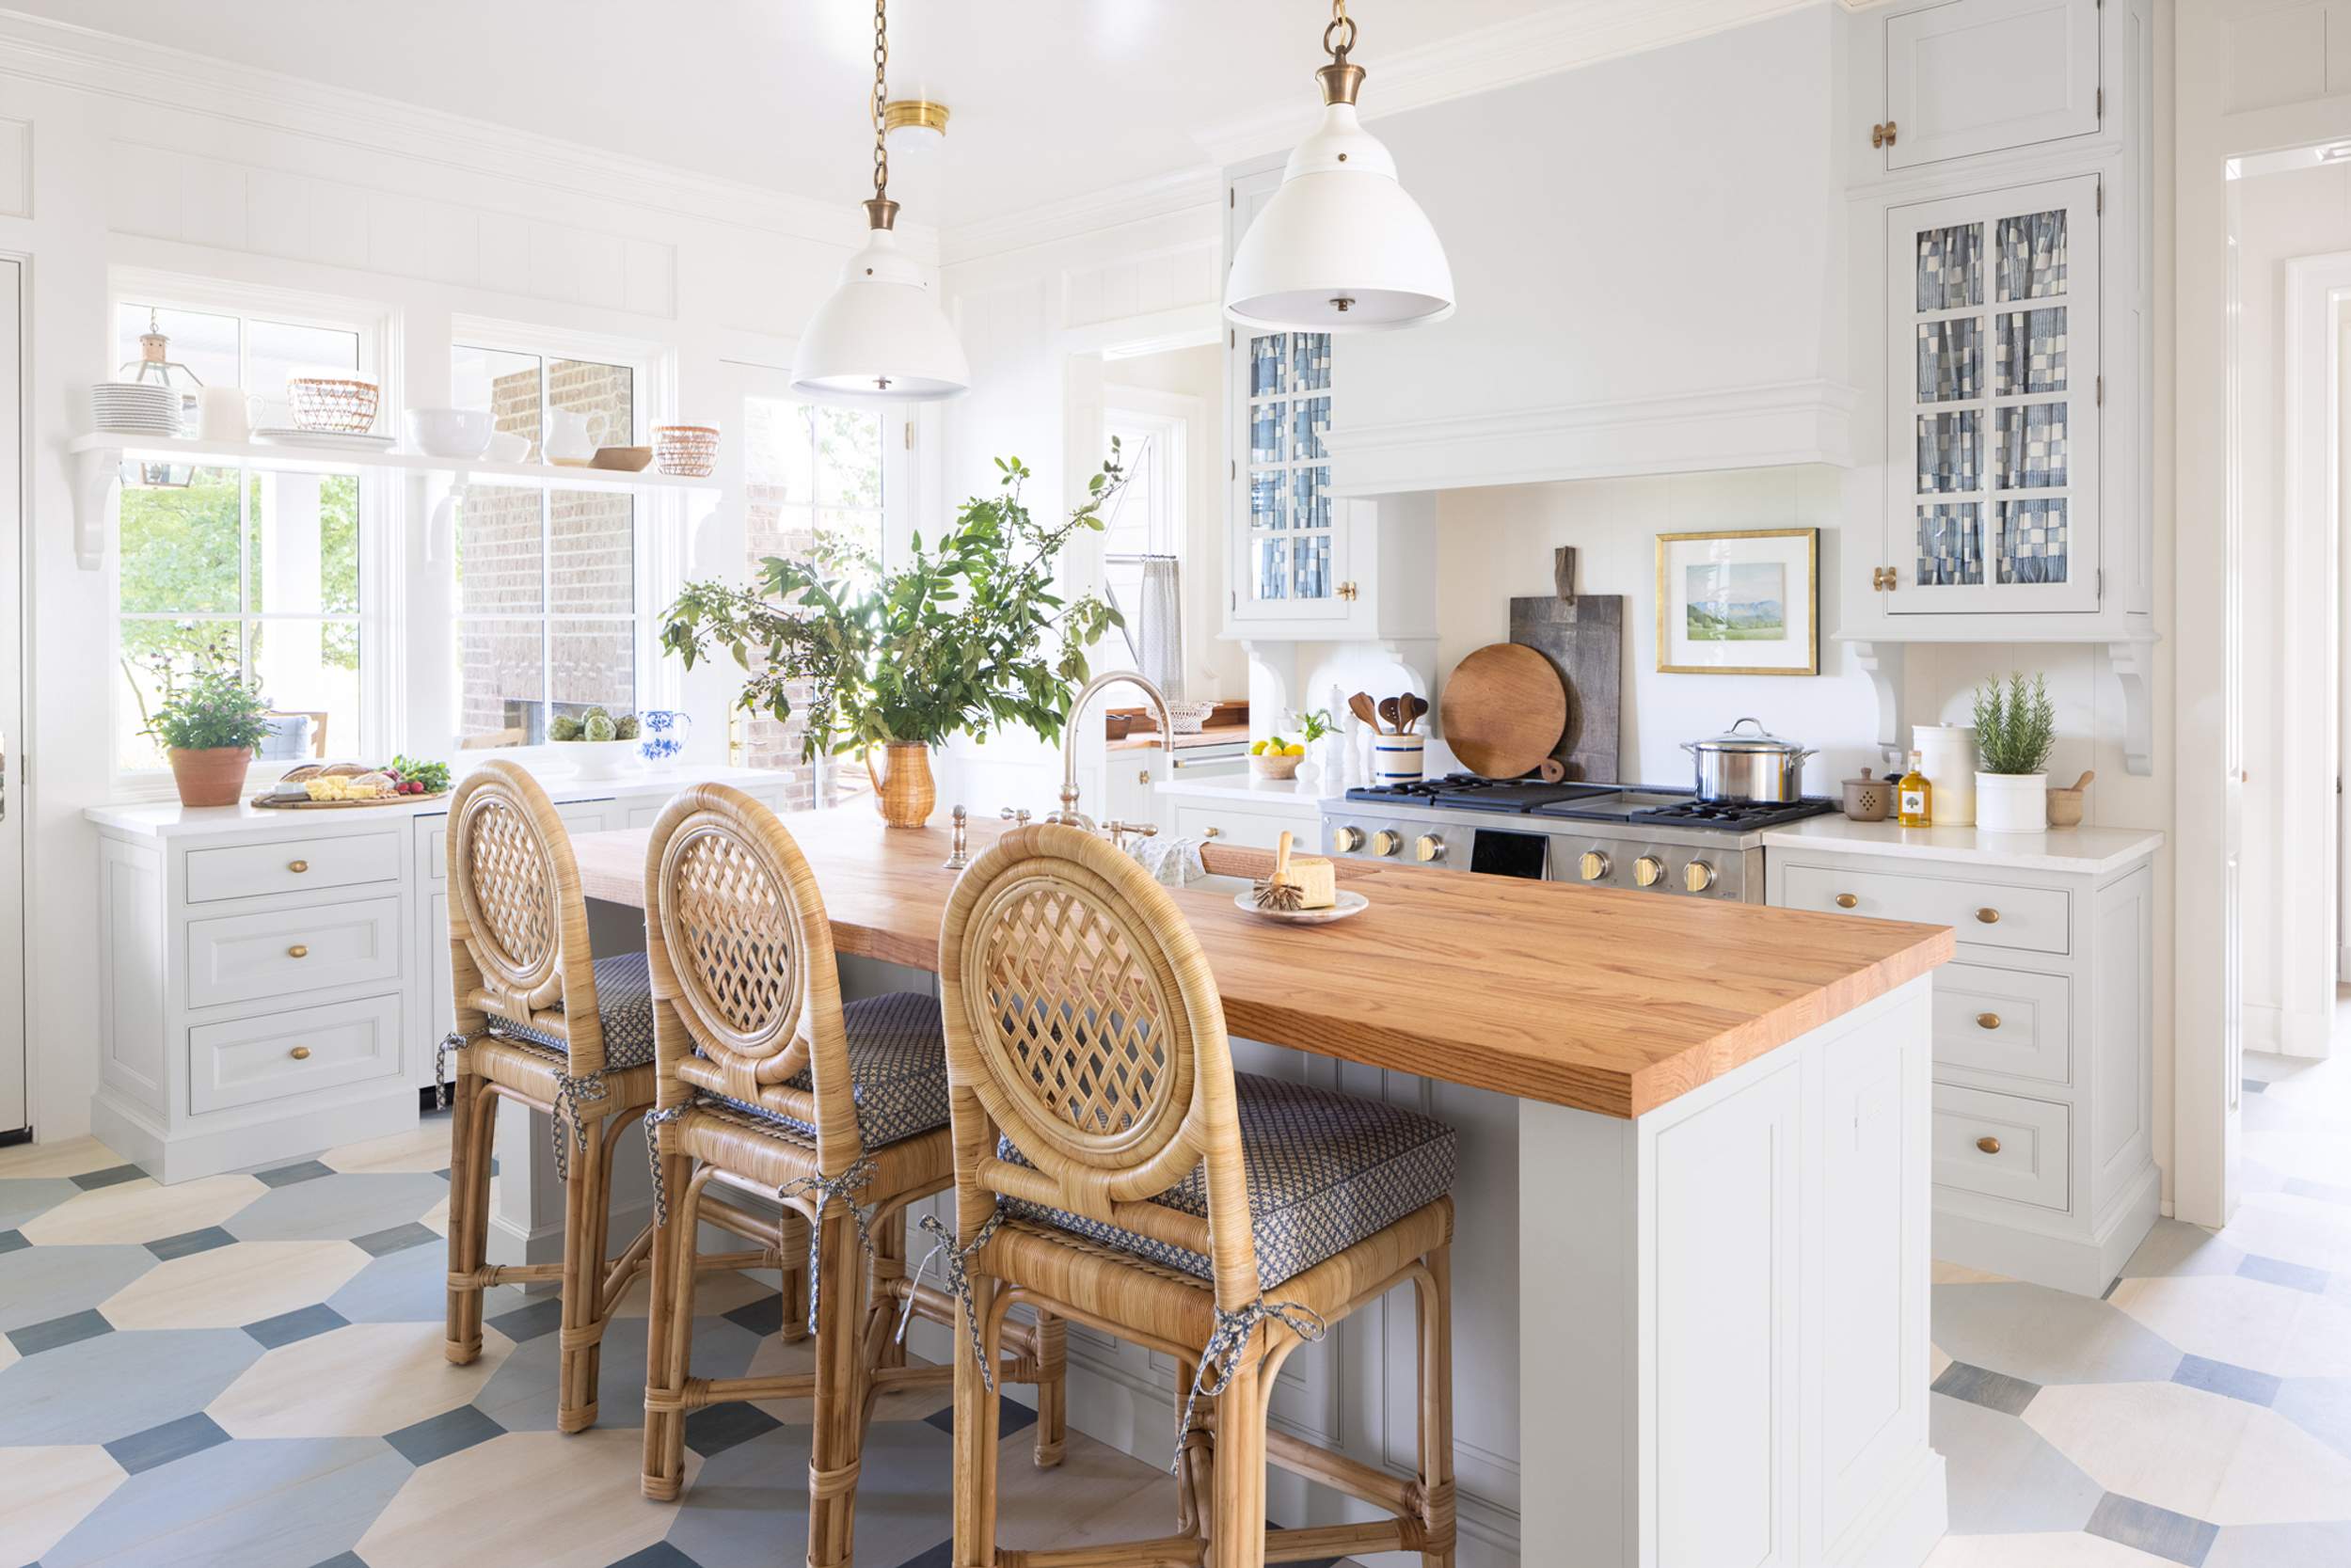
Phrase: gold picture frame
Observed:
(1725, 598)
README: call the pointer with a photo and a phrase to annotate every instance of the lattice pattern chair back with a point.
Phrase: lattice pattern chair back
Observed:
(746, 992)
(517, 922)
(1083, 1024)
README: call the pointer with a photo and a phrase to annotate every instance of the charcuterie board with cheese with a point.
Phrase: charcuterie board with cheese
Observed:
(315, 787)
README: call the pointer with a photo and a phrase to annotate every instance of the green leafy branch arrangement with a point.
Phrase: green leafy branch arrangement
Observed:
(215, 709)
(955, 640)
(2015, 735)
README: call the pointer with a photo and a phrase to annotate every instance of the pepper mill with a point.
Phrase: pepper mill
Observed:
(957, 860)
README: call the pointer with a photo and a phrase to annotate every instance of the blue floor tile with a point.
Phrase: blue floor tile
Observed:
(113, 1175)
(1991, 1389)
(762, 1317)
(1012, 1417)
(144, 1451)
(262, 1503)
(2276, 1271)
(343, 1560)
(190, 1242)
(439, 1437)
(71, 1329)
(2220, 1377)
(12, 1240)
(286, 1176)
(544, 1316)
(662, 1555)
(38, 1283)
(300, 1324)
(721, 1427)
(2157, 1531)
(399, 1237)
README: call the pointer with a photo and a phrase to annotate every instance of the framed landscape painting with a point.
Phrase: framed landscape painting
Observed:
(1742, 603)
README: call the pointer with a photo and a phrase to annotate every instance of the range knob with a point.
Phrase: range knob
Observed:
(1698, 876)
(1346, 841)
(1648, 871)
(1428, 846)
(1386, 843)
(1593, 867)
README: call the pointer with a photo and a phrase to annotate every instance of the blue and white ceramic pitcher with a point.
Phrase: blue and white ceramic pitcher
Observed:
(661, 734)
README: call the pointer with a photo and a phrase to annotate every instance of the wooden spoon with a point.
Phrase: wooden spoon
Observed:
(1360, 705)
(1412, 706)
(1392, 713)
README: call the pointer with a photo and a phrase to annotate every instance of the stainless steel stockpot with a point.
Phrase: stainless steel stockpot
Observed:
(1748, 765)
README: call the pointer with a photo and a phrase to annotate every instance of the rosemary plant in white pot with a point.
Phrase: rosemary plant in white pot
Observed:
(2015, 730)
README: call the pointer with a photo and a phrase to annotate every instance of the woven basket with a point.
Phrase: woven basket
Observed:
(332, 405)
(690, 451)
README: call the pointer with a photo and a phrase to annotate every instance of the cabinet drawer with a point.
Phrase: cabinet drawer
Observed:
(292, 865)
(2029, 1155)
(2003, 1020)
(291, 1052)
(1984, 915)
(281, 951)
(1251, 829)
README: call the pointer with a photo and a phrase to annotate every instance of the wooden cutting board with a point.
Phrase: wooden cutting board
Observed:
(1583, 636)
(1503, 710)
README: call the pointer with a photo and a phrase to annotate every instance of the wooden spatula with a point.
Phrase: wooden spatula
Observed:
(1360, 705)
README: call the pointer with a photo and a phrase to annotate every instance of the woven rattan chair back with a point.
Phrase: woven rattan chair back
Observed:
(518, 925)
(746, 991)
(1081, 1022)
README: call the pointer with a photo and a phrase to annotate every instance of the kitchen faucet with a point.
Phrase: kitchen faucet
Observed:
(1069, 815)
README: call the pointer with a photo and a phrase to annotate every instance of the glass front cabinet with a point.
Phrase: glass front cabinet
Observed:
(1993, 394)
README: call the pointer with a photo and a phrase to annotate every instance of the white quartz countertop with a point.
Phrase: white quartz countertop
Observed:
(2087, 851)
(168, 819)
(1248, 789)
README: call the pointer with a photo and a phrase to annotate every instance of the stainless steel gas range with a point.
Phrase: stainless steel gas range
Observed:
(1663, 840)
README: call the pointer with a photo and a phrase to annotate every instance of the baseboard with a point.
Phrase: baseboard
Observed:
(2264, 1028)
(1902, 1531)
(2083, 1264)
(200, 1150)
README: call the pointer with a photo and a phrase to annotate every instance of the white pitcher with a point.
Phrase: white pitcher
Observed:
(572, 436)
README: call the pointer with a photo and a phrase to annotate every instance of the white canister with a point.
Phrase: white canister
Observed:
(1946, 754)
(1396, 758)
(2013, 802)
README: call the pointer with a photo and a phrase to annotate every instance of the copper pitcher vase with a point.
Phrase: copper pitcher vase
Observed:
(904, 791)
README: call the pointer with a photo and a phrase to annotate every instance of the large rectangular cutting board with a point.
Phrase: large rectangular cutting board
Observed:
(1583, 636)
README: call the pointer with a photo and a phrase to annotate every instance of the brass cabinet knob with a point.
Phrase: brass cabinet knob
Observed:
(1347, 840)
(1212, 832)
(1594, 867)
(1847, 901)
(1698, 876)
(300, 1053)
(297, 867)
(1386, 843)
(1428, 846)
(1987, 1021)
(1142, 776)
(297, 951)
(1988, 916)
(1989, 1143)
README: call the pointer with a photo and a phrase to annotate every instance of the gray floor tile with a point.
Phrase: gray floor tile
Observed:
(748, 1506)
(2276, 1271)
(662, 1555)
(2176, 1247)
(2005, 1478)
(2325, 1191)
(12, 1241)
(287, 1176)
(329, 1206)
(398, 1238)
(161, 1445)
(56, 1333)
(2044, 1335)
(1981, 1386)
(521, 1394)
(279, 1503)
(118, 1384)
(2326, 1545)
(1012, 1417)
(439, 1437)
(2254, 1086)
(413, 1287)
(113, 1175)
(301, 1323)
(543, 1316)
(721, 1427)
(2157, 1531)
(38, 1283)
(167, 1247)
(762, 1317)
(2322, 1407)
(341, 1560)
(28, 1197)
(2220, 1377)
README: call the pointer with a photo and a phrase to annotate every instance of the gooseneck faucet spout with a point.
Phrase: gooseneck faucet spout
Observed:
(1069, 815)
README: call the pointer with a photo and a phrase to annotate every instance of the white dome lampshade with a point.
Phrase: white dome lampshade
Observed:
(881, 336)
(1341, 246)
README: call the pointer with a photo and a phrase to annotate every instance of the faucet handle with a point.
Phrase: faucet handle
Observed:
(1018, 819)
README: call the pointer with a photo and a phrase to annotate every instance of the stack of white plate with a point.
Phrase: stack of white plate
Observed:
(135, 409)
(329, 440)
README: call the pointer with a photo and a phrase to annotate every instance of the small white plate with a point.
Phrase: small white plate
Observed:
(1349, 903)
(287, 436)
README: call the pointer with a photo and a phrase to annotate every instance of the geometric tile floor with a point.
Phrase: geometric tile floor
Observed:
(2199, 1415)
(247, 1370)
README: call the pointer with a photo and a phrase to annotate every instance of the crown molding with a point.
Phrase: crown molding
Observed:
(1562, 37)
(1090, 212)
(37, 49)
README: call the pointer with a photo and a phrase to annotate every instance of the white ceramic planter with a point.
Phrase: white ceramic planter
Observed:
(1948, 756)
(2011, 802)
(1397, 758)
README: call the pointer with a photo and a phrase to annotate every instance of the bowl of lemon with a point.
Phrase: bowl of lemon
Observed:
(1276, 757)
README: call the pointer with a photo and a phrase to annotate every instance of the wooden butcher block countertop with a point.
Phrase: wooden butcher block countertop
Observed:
(1610, 1001)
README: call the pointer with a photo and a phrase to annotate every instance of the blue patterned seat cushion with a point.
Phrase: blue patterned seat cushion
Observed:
(1326, 1171)
(897, 1069)
(624, 1001)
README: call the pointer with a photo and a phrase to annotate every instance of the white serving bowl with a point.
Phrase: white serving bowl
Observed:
(593, 759)
(510, 446)
(463, 433)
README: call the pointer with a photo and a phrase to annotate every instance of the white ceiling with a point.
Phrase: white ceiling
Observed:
(1050, 98)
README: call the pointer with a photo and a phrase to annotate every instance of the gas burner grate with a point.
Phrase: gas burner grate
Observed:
(1738, 814)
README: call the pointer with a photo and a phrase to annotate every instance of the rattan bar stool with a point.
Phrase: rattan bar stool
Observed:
(769, 1088)
(541, 1021)
(1111, 1168)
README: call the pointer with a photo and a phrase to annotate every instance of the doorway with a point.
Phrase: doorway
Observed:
(15, 1116)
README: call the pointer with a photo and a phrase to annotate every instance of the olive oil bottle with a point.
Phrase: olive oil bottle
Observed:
(1916, 796)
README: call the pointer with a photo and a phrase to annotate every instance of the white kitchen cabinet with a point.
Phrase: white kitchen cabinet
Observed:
(1976, 76)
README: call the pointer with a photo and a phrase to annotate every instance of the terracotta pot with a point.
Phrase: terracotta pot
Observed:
(905, 792)
(214, 777)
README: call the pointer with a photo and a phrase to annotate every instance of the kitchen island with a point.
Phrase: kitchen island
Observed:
(1698, 1284)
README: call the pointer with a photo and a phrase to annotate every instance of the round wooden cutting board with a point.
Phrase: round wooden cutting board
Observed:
(1503, 710)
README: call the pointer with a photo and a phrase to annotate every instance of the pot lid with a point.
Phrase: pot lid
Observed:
(1864, 779)
(1738, 738)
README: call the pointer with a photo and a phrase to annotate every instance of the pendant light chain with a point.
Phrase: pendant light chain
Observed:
(881, 97)
(1339, 38)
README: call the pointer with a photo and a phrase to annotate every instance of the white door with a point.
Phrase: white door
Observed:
(1978, 75)
(12, 1001)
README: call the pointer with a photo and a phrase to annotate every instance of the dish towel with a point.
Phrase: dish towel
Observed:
(1172, 861)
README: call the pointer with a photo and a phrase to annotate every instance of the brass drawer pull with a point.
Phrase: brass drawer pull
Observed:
(297, 867)
(1988, 916)
(1212, 832)
(1987, 1021)
(297, 951)
(300, 1053)
(1847, 901)
(1143, 777)
(1989, 1143)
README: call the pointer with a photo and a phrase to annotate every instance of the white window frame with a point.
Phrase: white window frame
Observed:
(380, 558)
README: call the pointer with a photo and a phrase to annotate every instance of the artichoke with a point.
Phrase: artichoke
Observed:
(598, 725)
(625, 727)
(564, 727)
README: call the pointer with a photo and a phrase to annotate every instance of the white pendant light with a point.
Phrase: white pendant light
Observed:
(881, 336)
(1341, 246)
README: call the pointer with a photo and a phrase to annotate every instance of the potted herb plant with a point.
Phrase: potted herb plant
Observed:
(2015, 733)
(966, 636)
(209, 727)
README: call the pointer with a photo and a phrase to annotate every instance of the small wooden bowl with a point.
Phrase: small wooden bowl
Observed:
(628, 460)
(1276, 768)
